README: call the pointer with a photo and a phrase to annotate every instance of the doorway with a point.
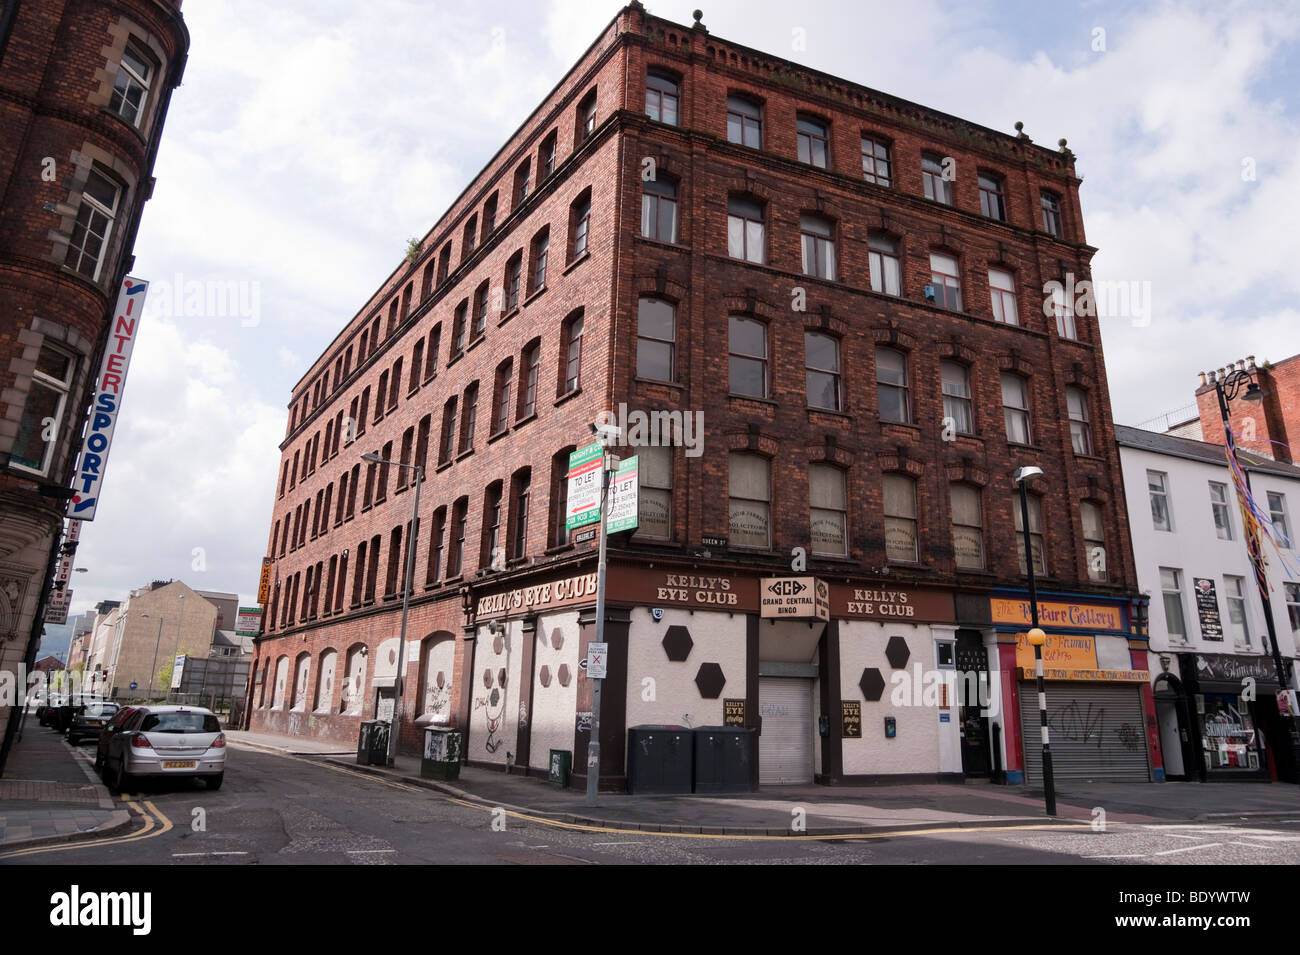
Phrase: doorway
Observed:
(785, 747)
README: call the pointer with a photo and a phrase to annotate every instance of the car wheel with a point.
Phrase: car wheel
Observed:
(99, 764)
(123, 782)
(214, 782)
(73, 740)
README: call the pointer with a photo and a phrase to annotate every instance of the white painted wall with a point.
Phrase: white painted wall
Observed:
(915, 749)
(554, 706)
(1194, 548)
(503, 708)
(674, 698)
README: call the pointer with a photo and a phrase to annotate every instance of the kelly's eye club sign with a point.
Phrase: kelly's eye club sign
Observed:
(108, 398)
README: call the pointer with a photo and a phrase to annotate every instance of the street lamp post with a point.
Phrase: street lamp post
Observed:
(157, 643)
(1227, 387)
(395, 725)
(1036, 635)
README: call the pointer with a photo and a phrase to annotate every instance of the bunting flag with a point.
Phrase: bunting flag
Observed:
(1256, 523)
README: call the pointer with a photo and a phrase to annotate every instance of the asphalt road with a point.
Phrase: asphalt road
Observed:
(277, 809)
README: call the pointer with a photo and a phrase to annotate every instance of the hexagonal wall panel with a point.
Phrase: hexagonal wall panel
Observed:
(896, 652)
(710, 680)
(872, 685)
(678, 643)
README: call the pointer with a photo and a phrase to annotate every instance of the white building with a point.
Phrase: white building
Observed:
(1209, 637)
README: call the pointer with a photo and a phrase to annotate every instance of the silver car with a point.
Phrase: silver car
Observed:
(164, 741)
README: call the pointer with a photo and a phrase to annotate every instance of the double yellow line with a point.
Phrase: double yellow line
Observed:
(155, 823)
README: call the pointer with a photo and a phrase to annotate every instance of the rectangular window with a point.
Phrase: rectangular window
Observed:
(1063, 309)
(546, 158)
(1094, 540)
(659, 210)
(490, 215)
(814, 142)
(892, 386)
(523, 183)
(822, 360)
(1002, 291)
(447, 447)
(457, 555)
(967, 527)
(661, 99)
(744, 122)
(514, 275)
(522, 498)
(828, 517)
(131, 87)
(1293, 608)
(937, 187)
(946, 280)
(434, 568)
(573, 355)
(875, 161)
(1015, 409)
(1234, 590)
(1277, 513)
(90, 233)
(43, 411)
(1219, 508)
(1076, 400)
(501, 408)
(886, 270)
(955, 379)
(458, 329)
(818, 238)
(655, 497)
(541, 250)
(469, 418)
(528, 384)
(900, 519)
(587, 116)
(492, 525)
(991, 201)
(656, 336)
(1051, 205)
(745, 232)
(1035, 534)
(1158, 489)
(747, 354)
(750, 501)
(1171, 587)
(480, 311)
(581, 226)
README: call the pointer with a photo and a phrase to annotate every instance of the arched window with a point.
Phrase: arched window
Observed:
(325, 681)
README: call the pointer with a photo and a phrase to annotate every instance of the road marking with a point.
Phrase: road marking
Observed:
(152, 827)
(1169, 852)
(228, 852)
(620, 843)
(355, 852)
(1116, 855)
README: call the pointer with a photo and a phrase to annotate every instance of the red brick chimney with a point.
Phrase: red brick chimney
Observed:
(1266, 428)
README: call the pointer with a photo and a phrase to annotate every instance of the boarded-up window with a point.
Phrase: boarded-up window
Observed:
(900, 518)
(967, 527)
(750, 491)
(829, 510)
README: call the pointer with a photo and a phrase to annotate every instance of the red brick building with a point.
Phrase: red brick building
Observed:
(84, 91)
(847, 289)
(1269, 427)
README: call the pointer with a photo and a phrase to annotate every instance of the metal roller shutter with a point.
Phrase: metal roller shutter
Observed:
(785, 754)
(1096, 732)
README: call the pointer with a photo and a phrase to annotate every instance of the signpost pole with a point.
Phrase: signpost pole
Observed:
(593, 746)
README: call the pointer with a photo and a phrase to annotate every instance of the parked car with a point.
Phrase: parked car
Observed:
(46, 713)
(114, 725)
(89, 719)
(165, 741)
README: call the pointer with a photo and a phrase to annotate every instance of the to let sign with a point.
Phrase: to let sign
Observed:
(585, 467)
(795, 598)
(623, 487)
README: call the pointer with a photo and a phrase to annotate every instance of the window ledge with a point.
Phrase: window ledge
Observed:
(907, 427)
(430, 378)
(412, 390)
(442, 466)
(508, 315)
(828, 412)
(368, 602)
(466, 453)
(578, 261)
(732, 396)
(524, 420)
(559, 549)
(568, 395)
(1088, 457)
(655, 381)
(534, 295)
(662, 244)
(470, 347)
(455, 358)
(499, 433)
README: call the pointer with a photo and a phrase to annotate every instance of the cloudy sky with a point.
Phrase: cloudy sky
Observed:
(312, 138)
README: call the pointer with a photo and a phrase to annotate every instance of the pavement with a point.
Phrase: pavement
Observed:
(49, 794)
(815, 810)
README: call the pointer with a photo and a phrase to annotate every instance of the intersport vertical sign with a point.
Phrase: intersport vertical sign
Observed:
(108, 398)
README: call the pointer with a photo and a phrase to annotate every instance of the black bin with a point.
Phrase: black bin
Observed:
(372, 743)
(659, 760)
(724, 760)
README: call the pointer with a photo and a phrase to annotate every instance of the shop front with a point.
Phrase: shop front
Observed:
(1100, 714)
(841, 682)
(1228, 697)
